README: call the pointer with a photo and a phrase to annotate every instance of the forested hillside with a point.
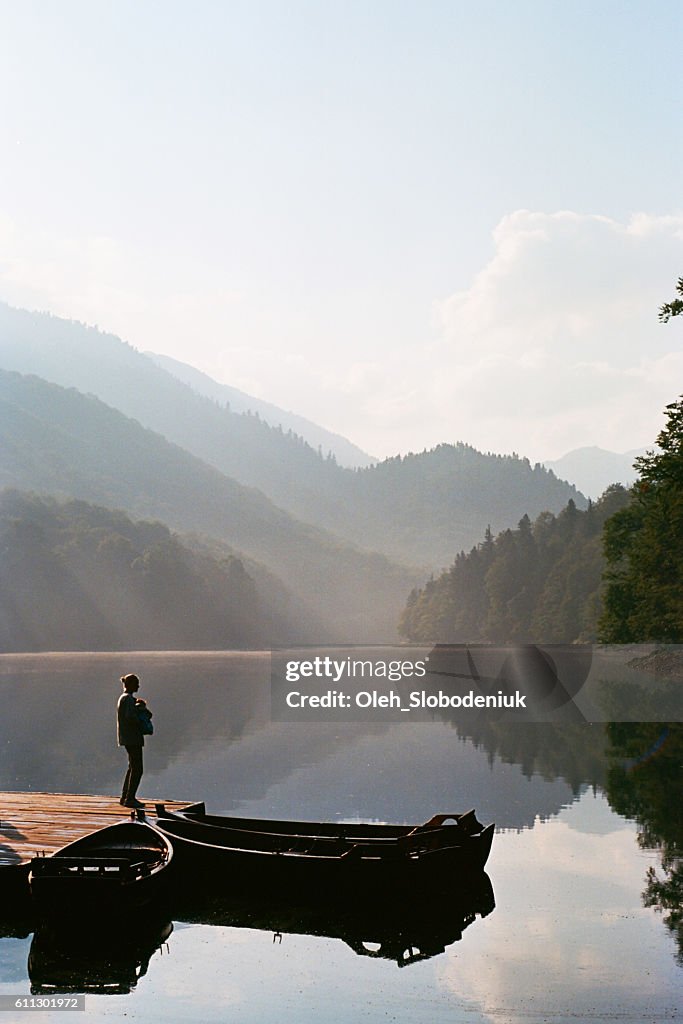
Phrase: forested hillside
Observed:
(60, 442)
(432, 503)
(417, 509)
(539, 583)
(74, 576)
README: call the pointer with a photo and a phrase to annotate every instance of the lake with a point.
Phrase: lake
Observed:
(588, 818)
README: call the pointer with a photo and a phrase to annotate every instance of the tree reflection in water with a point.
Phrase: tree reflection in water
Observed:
(636, 764)
(645, 783)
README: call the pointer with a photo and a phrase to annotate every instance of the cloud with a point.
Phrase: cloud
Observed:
(548, 947)
(553, 345)
(556, 343)
(566, 278)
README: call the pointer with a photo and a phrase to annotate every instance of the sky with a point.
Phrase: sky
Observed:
(411, 222)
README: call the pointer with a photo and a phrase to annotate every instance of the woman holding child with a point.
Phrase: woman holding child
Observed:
(133, 720)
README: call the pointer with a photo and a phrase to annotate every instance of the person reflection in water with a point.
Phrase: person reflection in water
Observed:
(130, 735)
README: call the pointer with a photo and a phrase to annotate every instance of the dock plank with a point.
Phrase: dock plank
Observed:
(33, 822)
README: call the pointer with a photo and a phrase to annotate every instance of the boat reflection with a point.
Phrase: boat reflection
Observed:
(67, 958)
(16, 909)
(407, 930)
(112, 962)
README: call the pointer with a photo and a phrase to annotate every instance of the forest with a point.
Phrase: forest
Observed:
(75, 576)
(611, 572)
(60, 442)
(540, 582)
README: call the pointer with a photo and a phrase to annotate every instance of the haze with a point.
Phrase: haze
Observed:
(412, 223)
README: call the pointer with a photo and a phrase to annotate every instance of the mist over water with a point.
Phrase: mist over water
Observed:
(214, 740)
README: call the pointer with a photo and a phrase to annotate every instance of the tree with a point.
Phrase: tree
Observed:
(644, 541)
(673, 308)
(644, 547)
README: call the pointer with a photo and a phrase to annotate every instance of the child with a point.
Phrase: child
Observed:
(144, 716)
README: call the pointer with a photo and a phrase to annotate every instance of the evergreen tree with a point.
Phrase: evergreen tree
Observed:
(673, 308)
(644, 547)
(540, 583)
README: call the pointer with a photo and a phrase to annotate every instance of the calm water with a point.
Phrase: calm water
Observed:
(583, 814)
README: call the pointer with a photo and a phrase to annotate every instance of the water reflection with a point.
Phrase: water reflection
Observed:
(406, 930)
(567, 872)
(570, 938)
(645, 783)
(70, 700)
(107, 963)
(214, 739)
(566, 938)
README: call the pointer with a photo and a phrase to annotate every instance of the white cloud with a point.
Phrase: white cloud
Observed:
(564, 279)
(547, 950)
(555, 344)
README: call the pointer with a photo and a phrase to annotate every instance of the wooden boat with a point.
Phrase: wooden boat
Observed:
(224, 857)
(115, 870)
(462, 828)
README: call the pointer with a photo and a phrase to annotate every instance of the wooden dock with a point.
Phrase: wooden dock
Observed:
(36, 823)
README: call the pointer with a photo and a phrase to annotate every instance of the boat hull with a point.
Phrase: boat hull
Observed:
(233, 860)
(110, 873)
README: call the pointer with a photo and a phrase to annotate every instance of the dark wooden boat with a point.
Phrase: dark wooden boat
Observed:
(462, 827)
(113, 871)
(226, 858)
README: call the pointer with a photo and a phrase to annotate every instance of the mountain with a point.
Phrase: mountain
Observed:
(416, 509)
(593, 469)
(346, 453)
(75, 576)
(434, 503)
(58, 441)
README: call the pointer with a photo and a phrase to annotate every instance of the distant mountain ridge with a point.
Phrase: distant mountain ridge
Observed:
(60, 442)
(416, 509)
(593, 469)
(346, 453)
